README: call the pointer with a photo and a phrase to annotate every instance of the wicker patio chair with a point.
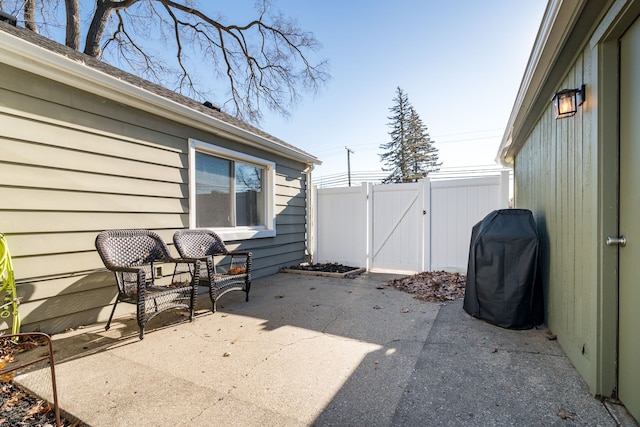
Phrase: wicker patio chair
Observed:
(233, 272)
(134, 257)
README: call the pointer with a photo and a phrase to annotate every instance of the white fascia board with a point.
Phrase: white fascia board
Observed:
(21, 54)
(558, 19)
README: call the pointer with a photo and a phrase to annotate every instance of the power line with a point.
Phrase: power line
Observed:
(376, 145)
(376, 177)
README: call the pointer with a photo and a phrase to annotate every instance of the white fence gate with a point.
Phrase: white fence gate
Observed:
(424, 226)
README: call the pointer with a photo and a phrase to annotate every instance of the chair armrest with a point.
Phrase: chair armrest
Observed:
(122, 269)
(181, 260)
(239, 253)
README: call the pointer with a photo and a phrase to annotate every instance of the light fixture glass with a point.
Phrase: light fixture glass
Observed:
(566, 102)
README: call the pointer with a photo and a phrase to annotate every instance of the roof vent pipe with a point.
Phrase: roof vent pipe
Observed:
(210, 105)
(12, 20)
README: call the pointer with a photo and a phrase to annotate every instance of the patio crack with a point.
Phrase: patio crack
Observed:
(334, 320)
(494, 348)
(213, 405)
(279, 350)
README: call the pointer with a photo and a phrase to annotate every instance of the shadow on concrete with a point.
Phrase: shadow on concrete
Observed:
(314, 350)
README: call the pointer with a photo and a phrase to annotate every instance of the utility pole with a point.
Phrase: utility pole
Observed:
(349, 151)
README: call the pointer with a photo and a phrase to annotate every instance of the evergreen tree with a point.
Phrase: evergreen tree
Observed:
(423, 154)
(410, 155)
(395, 155)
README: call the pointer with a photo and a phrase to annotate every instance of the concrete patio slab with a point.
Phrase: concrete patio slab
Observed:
(312, 350)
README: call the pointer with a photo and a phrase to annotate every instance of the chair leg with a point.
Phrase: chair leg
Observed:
(113, 310)
(212, 296)
(141, 313)
(194, 295)
(141, 322)
(192, 308)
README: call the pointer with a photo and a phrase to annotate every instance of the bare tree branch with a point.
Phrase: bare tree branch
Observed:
(29, 15)
(99, 23)
(176, 26)
(265, 63)
(73, 23)
(134, 55)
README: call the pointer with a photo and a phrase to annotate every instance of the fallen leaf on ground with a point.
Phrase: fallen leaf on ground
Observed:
(566, 415)
(40, 407)
(432, 286)
(226, 354)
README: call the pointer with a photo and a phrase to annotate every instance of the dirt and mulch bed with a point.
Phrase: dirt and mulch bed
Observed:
(330, 269)
(18, 407)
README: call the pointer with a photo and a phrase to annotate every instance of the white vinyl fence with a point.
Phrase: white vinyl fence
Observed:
(424, 226)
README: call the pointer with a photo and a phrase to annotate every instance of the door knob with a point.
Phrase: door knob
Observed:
(620, 241)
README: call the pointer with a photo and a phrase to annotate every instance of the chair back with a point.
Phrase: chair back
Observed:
(198, 243)
(130, 248)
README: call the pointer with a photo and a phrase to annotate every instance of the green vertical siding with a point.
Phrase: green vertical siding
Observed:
(556, 178)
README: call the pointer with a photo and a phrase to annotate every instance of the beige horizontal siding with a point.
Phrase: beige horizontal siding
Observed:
(29, 199)
(53, 265)
(47, 134)
(289, 219)
(289, 191)
(15, 151)
(72, 165)
(50, 288)
(60, 320)
(48, 222)
(34, 311)
(26, 176)
(290, 210)
(297, 201)
(22, 245)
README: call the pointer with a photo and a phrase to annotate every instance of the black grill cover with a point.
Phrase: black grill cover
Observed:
(501, 275)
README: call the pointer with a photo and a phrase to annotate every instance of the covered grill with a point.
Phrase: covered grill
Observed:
(501, 275)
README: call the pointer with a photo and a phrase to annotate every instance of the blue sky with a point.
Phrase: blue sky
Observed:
(460, 62)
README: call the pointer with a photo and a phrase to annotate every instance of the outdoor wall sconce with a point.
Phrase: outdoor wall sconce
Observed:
(566, 102)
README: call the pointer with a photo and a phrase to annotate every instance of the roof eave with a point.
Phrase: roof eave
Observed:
(21, 54)
(558, 20)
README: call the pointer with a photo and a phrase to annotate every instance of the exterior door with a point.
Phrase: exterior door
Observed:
(629, 255)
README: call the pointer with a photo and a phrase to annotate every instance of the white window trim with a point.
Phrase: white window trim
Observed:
(244, 232)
